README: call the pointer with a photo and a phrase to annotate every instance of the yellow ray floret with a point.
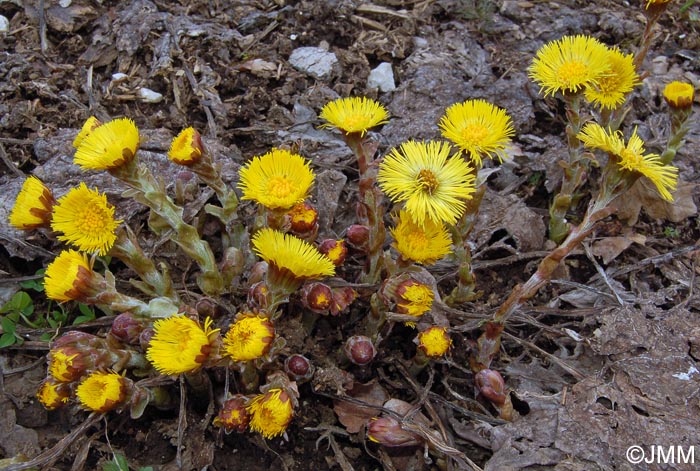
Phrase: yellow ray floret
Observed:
(270, 413)
(180, 345)
(479, 128)
(285, 251)
(612, 88)
(69, 277)
(353, 115)
(102, 392)
(630, 157)
(86, 220)
(277, 180)
(432, 185)
(186, 148)
(250, 337)
(569, 65)
(33, 205)
(424, 244)
(108, 146)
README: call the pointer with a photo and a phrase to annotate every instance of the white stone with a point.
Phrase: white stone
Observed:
(119, 76)
(4, 24)
(65, 3)
(149, 96)
(382, 77)
(314, 61)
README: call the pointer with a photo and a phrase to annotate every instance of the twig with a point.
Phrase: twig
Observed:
(602, 273)
(181, 422)
(42, 28)
(8, 163)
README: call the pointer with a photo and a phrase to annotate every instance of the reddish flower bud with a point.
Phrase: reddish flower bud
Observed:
(257, 273)
(342, 298)
(387, 431)
(317, 297)
(299, 368)
(303, 219)
(358, 236)
(491, 386)
(258, 295)
(233, 416)
(360, 350)
(145, 338)
(336, 250)
(126, 328)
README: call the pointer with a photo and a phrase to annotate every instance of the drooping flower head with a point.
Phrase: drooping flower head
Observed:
(180, 344)
(70, 277)
(679, 95)
(569, 65)
(303, 219)
(387, 431)
(186, 148)
(233, 415)
(434, 341)
(630, 157)
(413, 298)
(335, 250)
(107, 146)
(66, 364)
(270, 413)
(424, 244)
(479, 128)
(353, 115)
(103, 392)
(52, 395)
(612, 88)
(90, 125)
(289, 255)
(276, 180)
(249, 337)
(432, 185)
(86, 220)
(33, 206)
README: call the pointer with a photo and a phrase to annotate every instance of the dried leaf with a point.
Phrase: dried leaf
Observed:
(644, 195)
(353, 416)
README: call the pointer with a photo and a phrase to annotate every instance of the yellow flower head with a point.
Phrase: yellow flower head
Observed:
(270, 413)
(353, 115)
(277, 180)
(86, 220)
(70, 277)
(66, 364)
(413, 298)
(434, 341)
(187, 147)
(90, 125)
(651, 3)
(288, 253)
(423, 244)
(250, 337)
(679, 95)
(432, 185)
(302, 218)
(335, 250)
(102, 392)
(52, 395)
(631, 157)
(612, 88)
(180, 345)
(33, 205)
(233, 415)
(478, 128)
(108, 146)
(569, 64)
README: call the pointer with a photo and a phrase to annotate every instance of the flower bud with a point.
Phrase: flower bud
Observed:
(360, 350)
(358, 236)
(299, 368)
(233, 415)
(257, 273)
(186, 148)
(387, 431)
(126, 328)
(233, 262)
(66, 364)
(259, 295)
(491, 386)
(679, 95)
(336, 250)
(317, 297)
(186, 186)
(145, 338)
(342, 298)
(303, 220)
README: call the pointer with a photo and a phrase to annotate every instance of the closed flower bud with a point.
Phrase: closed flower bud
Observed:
(303, 220)
(317, 297)
(299, 368)
(257, 273)
(491, 386)
(336, 250)
(342, 298)
(387, 431)
(679, 95)
(145, 338)
(126, 328)
(186, 148)
(358, 236)
(360, 350)
(186, 186)
(259, 295)
(233, 416)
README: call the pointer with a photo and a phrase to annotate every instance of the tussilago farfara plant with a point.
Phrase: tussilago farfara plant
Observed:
(274, 264)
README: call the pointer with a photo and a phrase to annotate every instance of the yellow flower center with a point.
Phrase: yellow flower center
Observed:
(474, 134)
(428, 181)
(632, 159)
(91, 219)
(280, 187)
(573, 72)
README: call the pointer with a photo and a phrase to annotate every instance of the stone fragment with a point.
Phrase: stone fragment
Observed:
(382, 77)
(314, 61)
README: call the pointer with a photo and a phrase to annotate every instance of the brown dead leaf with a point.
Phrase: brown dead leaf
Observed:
(644, 195)
(609, 248)
(353, 416)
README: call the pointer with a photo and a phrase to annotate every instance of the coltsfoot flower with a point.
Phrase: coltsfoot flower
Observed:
(432, 185)
(249, 337)
(86, 220)
(434, 341)
(303, 219)
(53, 395)
(612, 88)
(424, 244)
(656, 3)
(70, 278)
(66, 364)
(679, 95)
(103, 392)
(233, 415)
(33, 206)
(186, 148)
(630, 157)
(287, 253)
(318, 297)
(276, 180)
(180, 344)
(479, 128)
(387, 431)
(569, 65)
(413, 298)
(107, 146)
(353, 115)
(335, 250)
(270, 413)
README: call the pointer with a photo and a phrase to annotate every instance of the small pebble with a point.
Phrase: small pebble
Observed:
(4, 24)
(119, 76)
(65, 3)
(149, 96)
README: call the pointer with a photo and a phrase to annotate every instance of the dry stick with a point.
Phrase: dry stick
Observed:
(9, 163)
(181, 422)
(602, 273)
